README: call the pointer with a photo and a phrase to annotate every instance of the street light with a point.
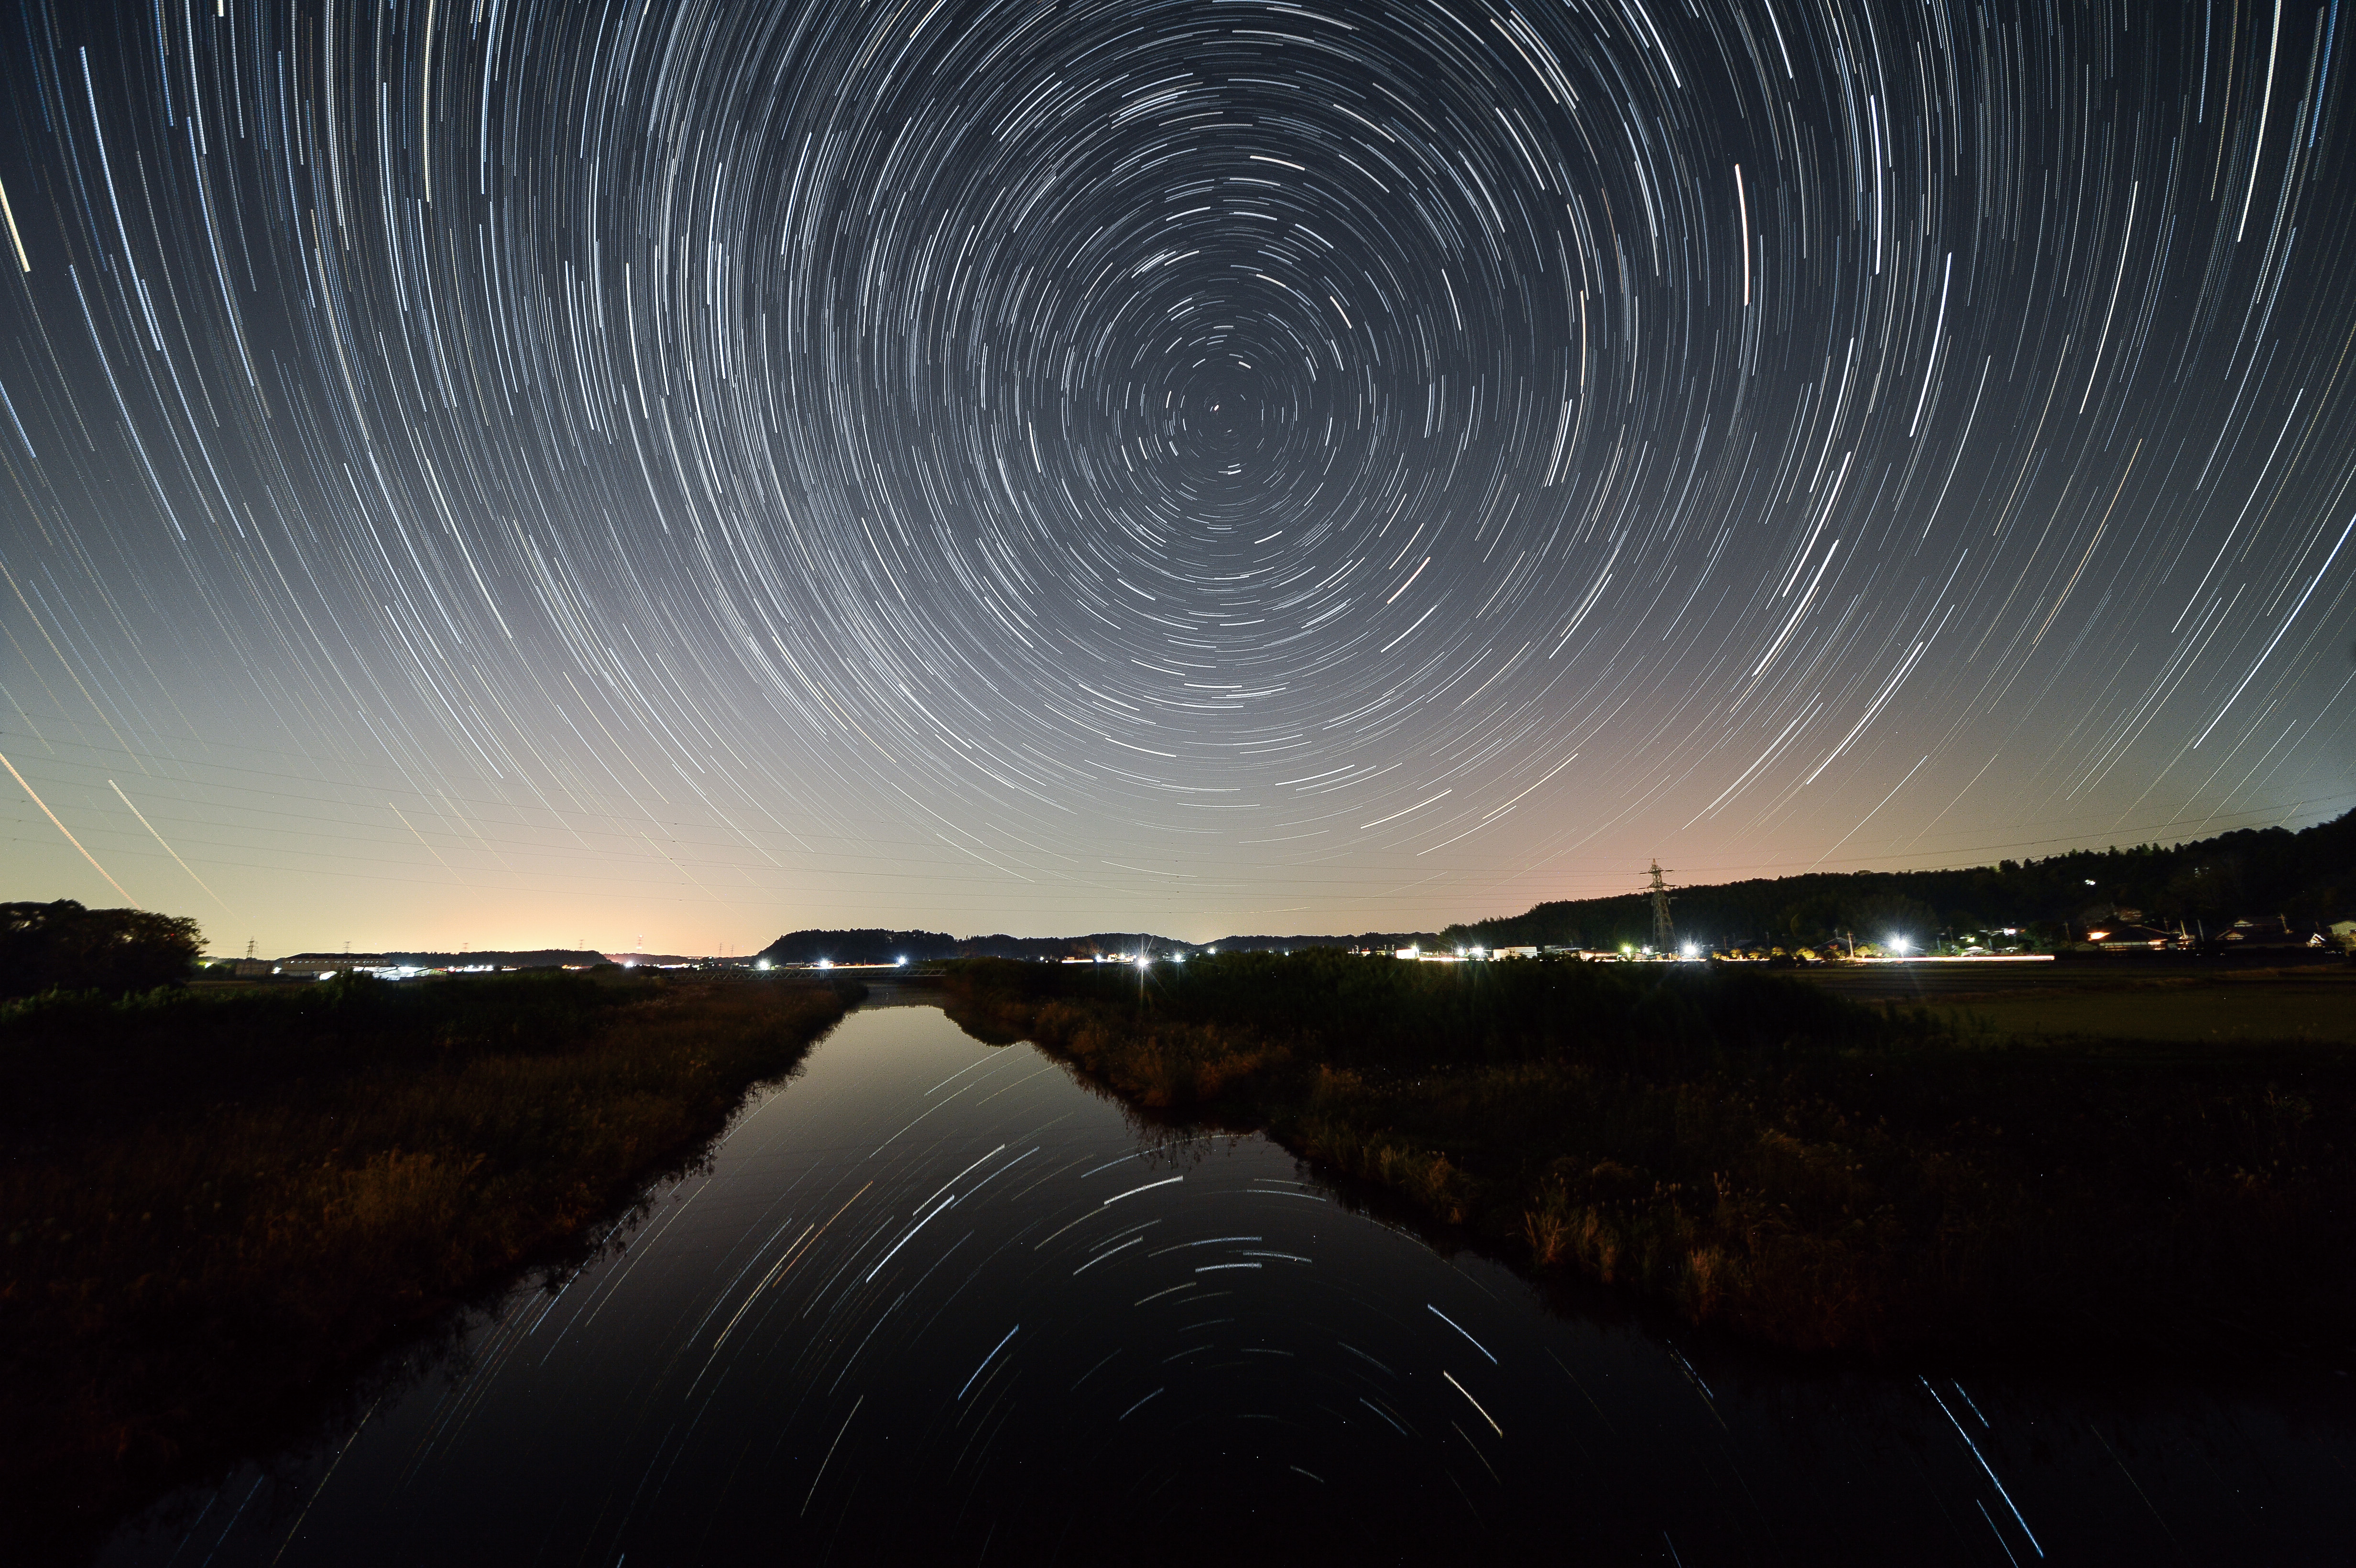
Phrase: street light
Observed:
(1897, 945)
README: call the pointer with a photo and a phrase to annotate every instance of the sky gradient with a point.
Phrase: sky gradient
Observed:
(509, 473)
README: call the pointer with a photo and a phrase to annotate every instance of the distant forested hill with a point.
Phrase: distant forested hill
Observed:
(879, 946)
(2307, 876)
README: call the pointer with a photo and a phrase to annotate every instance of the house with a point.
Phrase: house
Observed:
(2243, 936)
(2123, 936)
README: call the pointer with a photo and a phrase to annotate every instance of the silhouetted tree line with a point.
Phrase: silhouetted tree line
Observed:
(62, 947)
(2306, 877)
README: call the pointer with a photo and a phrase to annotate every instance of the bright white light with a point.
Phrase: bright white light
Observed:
(764, 963)
(826, 962)
(1142, 960)
(2090, 881)
(1177, 958)
(1898, 944)
(1690, 950)
(902, 960)
(1479, 953)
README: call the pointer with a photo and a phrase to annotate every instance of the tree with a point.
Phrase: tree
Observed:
(63, 947)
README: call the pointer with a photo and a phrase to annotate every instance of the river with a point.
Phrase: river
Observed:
(935, 1300)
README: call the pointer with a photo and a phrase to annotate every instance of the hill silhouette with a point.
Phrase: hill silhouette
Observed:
(2305, 878)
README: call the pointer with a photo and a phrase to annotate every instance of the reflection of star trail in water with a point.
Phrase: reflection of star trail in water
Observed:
(934, 1301)
(1218, 464)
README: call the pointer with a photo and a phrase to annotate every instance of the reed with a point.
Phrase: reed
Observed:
(211, 1205)
(1750, 1152)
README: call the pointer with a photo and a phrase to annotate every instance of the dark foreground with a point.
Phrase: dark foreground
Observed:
(936, 1302)
(1755, 1153)
(215, 1206)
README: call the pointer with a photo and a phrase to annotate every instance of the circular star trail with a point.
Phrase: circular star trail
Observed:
(1203, 466)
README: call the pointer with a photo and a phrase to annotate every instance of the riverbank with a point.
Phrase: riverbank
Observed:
(1755, 1154)
(211, 1205)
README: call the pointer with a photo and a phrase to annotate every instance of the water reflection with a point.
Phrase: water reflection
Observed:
(933, 1299)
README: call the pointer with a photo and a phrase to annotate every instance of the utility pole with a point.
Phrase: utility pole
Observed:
(1665, 933)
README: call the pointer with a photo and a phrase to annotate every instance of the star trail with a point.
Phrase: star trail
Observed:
(515, 471)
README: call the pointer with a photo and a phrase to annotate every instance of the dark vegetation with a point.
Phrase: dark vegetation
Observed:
(49, 947)
(1753, 1152)
(213, 1205)
(2304, 876)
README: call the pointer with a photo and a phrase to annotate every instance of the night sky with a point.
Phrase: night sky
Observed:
(541, 471)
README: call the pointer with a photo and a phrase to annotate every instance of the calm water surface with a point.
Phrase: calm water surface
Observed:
(933, 1300)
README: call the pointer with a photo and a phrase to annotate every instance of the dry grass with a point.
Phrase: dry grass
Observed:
(1750, 1152)
(210, 1204)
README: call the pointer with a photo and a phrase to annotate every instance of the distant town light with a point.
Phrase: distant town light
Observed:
(764, 963)
(2090, 881)
(1691, 951)
(826, 962)
(901, 961)
(1898, 944)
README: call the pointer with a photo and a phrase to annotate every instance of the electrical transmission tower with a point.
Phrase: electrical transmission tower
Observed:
(1665, 931)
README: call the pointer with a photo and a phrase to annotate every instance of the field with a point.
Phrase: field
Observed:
(1761, 1154)
(2312, 1002)
(214, 1205)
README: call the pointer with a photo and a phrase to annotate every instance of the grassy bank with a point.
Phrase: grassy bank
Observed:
(1751, 1152)
(212, 1205)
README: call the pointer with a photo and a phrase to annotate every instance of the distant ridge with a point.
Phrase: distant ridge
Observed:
(1376, 940)
(2303, 879)
(881, 946)
(875, 945)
